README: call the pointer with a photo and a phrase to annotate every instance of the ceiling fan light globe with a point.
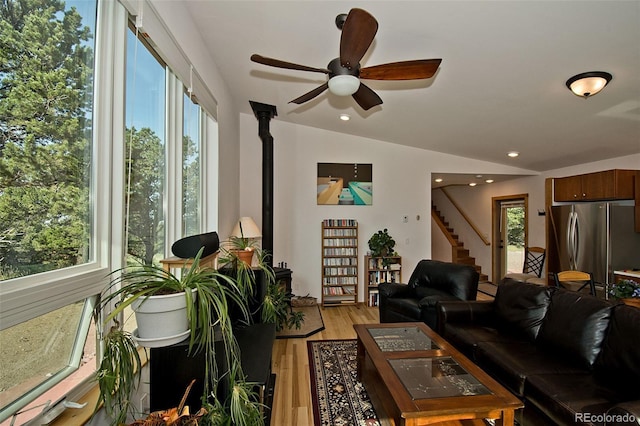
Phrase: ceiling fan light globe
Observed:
(344, 85)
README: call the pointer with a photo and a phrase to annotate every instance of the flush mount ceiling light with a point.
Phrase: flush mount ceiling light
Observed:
(344, 85)
(589, 83)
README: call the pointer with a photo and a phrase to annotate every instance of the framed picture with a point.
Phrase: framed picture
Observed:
(345, 184)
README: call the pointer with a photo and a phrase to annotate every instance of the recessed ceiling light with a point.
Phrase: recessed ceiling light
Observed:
(345, 117)
(513, 154)
(478, 176)
(439, 180)
(472, 184)
(489, 180)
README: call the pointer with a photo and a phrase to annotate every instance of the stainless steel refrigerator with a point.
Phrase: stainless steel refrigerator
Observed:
(596, 237)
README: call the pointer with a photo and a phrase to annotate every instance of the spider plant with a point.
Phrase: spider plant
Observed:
(208, 303)
(118, 374)
(208, 294)
(245, 274)
(276, 309)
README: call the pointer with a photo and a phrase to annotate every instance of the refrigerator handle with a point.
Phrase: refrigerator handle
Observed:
(571, 247)
(576, 242)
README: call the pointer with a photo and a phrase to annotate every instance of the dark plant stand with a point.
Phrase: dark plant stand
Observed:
(172, 369)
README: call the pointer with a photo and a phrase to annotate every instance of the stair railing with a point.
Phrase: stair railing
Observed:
(466, 218)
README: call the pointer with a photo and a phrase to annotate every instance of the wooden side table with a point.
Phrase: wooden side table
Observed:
(178, 262)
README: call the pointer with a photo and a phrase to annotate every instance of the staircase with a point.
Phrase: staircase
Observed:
(459, 254)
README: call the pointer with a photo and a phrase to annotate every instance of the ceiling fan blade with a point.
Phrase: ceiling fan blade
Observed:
(366, 98)
(406, 70)
(358, 32)
(286, 65)
(310, 95)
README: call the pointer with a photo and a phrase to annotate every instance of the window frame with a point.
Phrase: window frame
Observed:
(28, 297)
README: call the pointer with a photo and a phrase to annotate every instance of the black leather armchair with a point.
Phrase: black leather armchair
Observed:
(430, 282)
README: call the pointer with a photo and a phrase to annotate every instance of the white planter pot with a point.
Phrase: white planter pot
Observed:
(162, 317)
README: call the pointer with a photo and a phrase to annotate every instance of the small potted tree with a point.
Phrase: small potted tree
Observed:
(381, 245)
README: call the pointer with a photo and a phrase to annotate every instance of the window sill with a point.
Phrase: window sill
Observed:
(80, 416)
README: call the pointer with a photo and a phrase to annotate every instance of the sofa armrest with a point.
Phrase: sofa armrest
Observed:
(624, 413)
(463, 311)
(395, 290)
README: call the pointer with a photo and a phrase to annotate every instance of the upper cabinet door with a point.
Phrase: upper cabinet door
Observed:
(607, 185)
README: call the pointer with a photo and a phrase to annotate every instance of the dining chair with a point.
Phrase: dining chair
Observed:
(533, 260)
(579, 277)
(532, 266)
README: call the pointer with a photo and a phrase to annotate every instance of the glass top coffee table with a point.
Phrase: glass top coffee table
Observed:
(415, 377)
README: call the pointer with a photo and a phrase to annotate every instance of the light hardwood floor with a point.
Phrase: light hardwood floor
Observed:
(292, 397)
(292, 403)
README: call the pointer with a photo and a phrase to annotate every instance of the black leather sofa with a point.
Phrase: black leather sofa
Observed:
(431, 281)
(572, 358)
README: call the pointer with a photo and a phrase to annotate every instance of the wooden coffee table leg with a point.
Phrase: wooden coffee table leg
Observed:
(506, 419)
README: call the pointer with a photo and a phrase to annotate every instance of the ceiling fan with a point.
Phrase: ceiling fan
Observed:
(359, 28)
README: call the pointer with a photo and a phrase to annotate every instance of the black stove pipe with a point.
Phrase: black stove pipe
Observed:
(264, 113)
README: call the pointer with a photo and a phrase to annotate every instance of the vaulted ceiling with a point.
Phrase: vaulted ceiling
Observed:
(500, 87)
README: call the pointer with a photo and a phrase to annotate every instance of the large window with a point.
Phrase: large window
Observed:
(46, 75)
(191, 211)
(48, 241)
(145, 154)
(103, 148)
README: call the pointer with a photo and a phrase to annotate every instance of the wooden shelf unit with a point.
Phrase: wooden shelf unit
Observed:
(339, 262)
(376, 272)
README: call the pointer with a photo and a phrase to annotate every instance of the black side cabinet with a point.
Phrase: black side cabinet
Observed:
(172, 369)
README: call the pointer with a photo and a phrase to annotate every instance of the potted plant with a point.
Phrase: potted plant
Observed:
(242, 248)
(243, 241)
(277, 310)
(628, 291)
(381, 245)
(208, 294)
(275, 307)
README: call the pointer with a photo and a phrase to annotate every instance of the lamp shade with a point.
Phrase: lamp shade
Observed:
(246, 228)
(588, 83)
(344, 85)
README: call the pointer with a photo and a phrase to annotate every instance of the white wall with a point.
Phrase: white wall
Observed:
(476, 203)
(401, 186)
(440, 247)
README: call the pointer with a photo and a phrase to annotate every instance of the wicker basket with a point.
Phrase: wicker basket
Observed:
(303, 301)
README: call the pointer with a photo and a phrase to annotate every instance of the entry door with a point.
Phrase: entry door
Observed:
(512, 234)
(509, 234)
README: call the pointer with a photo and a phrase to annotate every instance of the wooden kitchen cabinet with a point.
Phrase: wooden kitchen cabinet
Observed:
(607, 185)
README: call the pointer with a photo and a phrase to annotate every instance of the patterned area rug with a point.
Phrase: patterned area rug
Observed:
(338, 398)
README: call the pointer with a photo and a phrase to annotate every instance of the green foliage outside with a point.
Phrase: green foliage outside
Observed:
(146, 227)
(46, 89)
(45, 123)
(515, 226)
